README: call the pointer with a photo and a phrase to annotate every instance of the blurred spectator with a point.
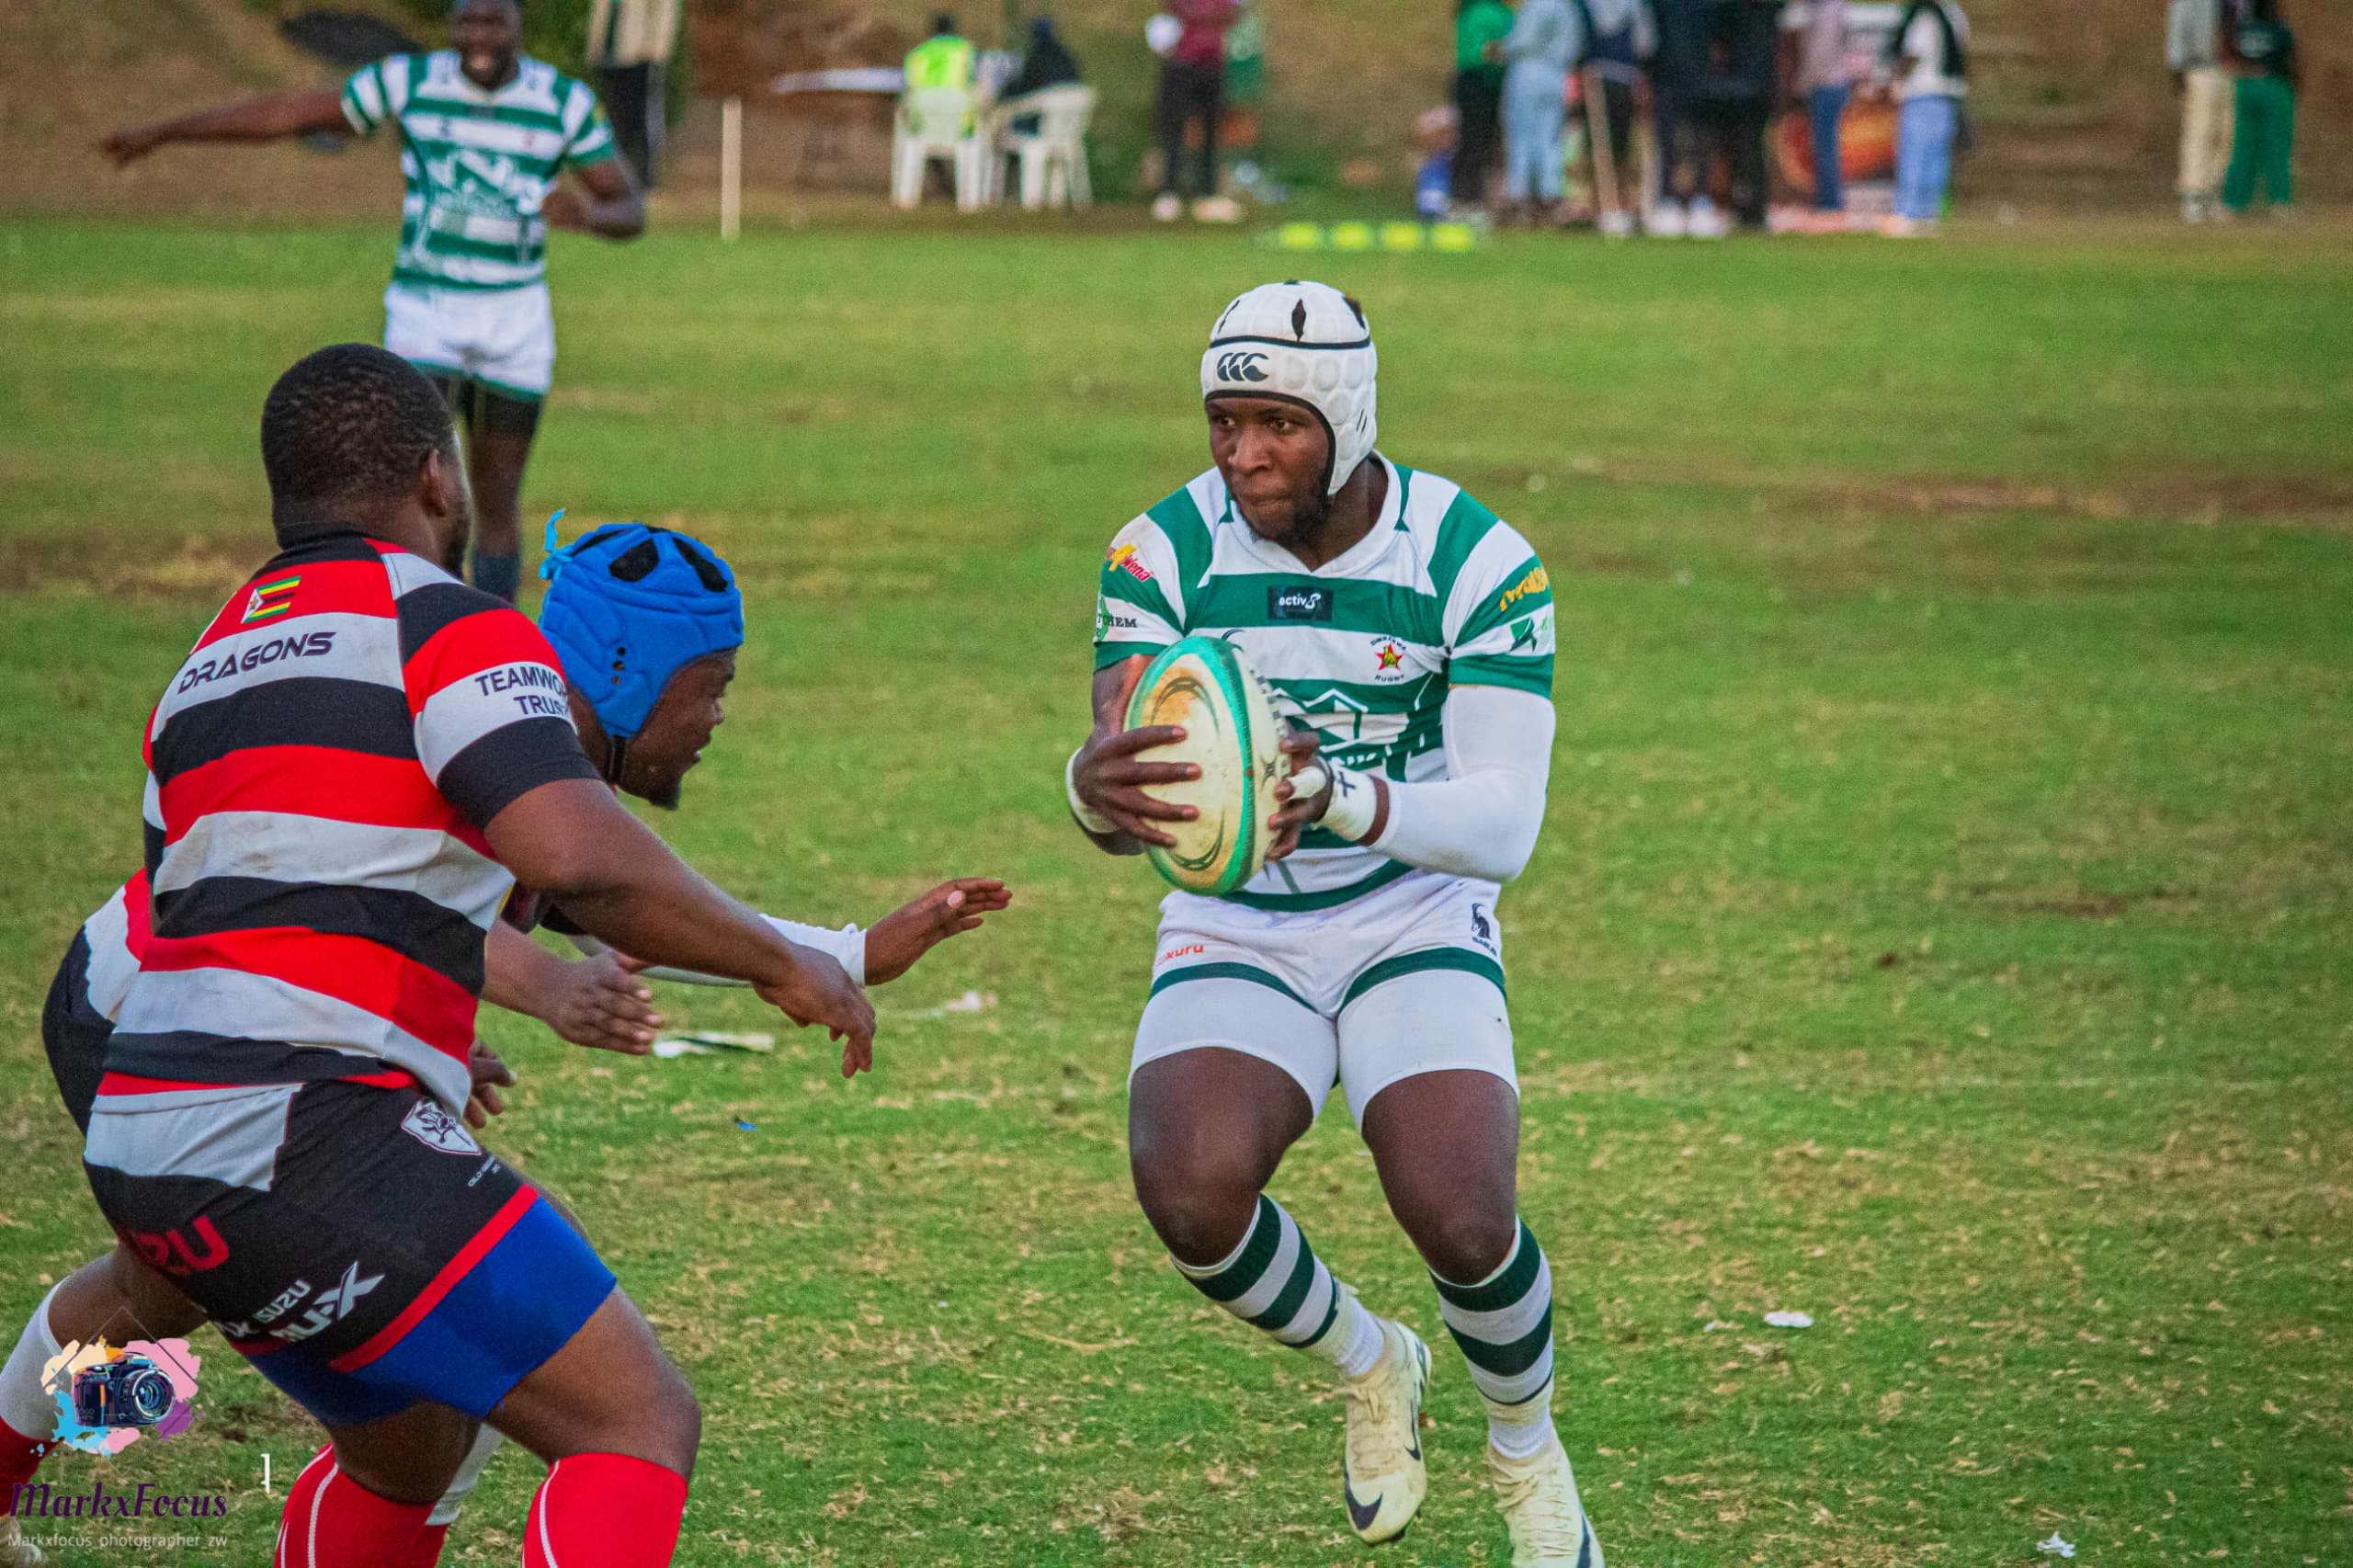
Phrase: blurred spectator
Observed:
(1045, 63)
(1740, 89)
(2263, 137)
(1542, 48)
(2194, 50)
(1931, 49)
(1192, 91)
(630, 42)
(1825, 80)
(942, 61)
(1679, 69)
(1480, 28)
(1434, 132)
(1624, 37)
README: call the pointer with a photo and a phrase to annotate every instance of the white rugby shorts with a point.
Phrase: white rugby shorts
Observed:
(503, 338)
(1407, 979)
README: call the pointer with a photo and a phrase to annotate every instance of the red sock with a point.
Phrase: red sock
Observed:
(428, 1549)
(19, 1457)
(605, 1511)
(331, 1521)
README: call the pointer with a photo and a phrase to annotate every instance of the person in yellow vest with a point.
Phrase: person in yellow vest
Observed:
(943, 60)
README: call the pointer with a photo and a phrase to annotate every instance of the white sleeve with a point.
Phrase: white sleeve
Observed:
(1482, 821)
(846, 947)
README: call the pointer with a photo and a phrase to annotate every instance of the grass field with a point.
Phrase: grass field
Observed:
(1944, 924)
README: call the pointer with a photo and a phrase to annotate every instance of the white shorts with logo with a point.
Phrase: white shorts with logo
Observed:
(503, 338)
(1407, 979)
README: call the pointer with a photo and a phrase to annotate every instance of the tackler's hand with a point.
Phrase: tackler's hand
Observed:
(895, 942)
(602, 1004)
(489, 1075)
(817, 990)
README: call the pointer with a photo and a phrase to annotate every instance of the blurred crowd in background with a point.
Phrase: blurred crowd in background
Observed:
(1686, 118)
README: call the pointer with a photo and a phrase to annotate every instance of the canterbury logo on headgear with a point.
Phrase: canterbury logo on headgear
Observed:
(1240, 366)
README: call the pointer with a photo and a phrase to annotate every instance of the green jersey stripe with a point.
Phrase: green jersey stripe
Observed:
(1459, 532)
(528, 116)
(1145, 595)
(1520, 674)
(1188, 532)
(1353, 604)
(1530, 589)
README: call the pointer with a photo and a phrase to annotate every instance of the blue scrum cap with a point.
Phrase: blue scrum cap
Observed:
(627, 608)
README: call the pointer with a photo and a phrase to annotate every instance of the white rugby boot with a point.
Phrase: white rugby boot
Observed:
(16, 1552)
(1539, 1499)
(1382, 1479)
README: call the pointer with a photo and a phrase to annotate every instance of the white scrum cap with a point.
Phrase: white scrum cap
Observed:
(1308, 344)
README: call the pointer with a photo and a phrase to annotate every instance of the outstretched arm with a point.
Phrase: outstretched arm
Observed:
(572, 840)
(878, 955)
(272, 119)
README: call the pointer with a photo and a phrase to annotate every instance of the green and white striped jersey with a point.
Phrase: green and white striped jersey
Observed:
(478, 163)
(1440, 594)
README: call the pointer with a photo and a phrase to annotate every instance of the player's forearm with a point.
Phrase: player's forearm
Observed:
(518, 974)
(1482, 819)
(573, 842)
(622, 218)
(1482, 825)
(845, 944)
(268, 119)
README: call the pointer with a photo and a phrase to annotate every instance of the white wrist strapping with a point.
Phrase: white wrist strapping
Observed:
(1355, 799)
(1092, 821)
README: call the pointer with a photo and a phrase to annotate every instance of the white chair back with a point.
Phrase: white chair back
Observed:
(938, 122)
(937, 117)
(1064, 112)
(1053, 157)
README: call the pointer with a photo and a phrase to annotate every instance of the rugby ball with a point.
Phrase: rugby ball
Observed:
(1233, 735)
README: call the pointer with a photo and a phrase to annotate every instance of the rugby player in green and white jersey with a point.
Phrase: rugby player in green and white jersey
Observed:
(1412, 633)
(485, 133)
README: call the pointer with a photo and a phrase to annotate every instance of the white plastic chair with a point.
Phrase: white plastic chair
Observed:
(1053, 157)
(938, 122)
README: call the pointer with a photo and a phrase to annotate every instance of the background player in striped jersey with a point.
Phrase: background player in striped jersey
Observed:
(1412, 633)
(486, 132)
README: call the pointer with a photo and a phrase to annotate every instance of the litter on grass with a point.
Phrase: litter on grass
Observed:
(2055, 1546)
(710, 1042)
(1788, 1320)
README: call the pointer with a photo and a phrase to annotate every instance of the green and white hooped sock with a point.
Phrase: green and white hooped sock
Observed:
(1504, 1324)
(1275, 1281)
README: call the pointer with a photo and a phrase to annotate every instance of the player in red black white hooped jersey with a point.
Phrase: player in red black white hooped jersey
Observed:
(346, 774)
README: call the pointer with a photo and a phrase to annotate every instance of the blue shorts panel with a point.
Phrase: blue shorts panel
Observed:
(518, 1304)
